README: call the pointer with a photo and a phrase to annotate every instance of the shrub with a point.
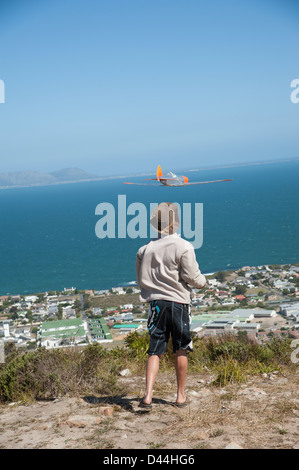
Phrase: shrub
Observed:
(234, 357)
(137, 344)
(56, 372)
(229, 370)
(92, 369)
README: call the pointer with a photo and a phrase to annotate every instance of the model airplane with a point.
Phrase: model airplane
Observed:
(170, 179)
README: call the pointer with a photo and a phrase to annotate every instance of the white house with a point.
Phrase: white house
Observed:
(69, 289)
(228, 302)
(31, 298)
(4, 328)
(127, 306)
(214, 283)
(118, 290)
(96, 310)
(51, 342)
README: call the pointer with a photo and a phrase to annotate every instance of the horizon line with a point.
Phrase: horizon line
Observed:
(225, 165)
(133, 175)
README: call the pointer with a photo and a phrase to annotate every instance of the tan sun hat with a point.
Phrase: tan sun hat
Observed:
(165, 218)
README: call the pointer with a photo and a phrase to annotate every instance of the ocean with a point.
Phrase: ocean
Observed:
(48, 239)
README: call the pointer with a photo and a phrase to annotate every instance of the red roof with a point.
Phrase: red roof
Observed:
(222, 292)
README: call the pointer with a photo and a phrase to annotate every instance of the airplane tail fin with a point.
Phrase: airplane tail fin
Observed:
(159, 173)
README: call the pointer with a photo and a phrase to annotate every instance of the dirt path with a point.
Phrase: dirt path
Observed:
(264, 413)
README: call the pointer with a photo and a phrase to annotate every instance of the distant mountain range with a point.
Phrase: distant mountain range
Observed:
(37, 178)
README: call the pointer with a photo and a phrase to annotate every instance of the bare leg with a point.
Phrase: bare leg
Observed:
(152, 368)
(181, 366)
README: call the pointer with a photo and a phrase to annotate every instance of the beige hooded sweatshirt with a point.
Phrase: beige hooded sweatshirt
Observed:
(167, 269)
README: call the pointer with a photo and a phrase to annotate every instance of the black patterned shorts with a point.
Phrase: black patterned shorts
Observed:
(167, 318)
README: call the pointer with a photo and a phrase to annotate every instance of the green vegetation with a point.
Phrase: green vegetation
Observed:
(77, 306)
(43, 374)
(220, 276)
(59, 313)
(95, 370)
(87, 302)
(240, 290)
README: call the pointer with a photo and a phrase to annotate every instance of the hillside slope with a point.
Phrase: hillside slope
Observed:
(261, 414)
(37, 178)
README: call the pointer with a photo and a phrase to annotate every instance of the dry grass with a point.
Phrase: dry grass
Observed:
(256, 422)
(114, 300)
(262, 413)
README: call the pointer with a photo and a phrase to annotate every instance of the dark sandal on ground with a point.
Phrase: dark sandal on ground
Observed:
(185, 403)
(147, 406)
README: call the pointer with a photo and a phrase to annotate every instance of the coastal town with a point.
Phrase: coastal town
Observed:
(258, 301)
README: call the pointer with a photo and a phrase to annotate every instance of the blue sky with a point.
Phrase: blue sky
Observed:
(119, 86)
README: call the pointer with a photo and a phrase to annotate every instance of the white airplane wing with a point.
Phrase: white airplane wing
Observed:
(143, 184)
(205, 182)
(184, 184)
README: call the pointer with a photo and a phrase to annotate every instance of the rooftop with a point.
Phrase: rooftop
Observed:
(80, 331)
(61, 323)
(125, 325)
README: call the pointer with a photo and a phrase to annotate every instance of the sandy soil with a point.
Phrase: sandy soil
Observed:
(261, 414)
